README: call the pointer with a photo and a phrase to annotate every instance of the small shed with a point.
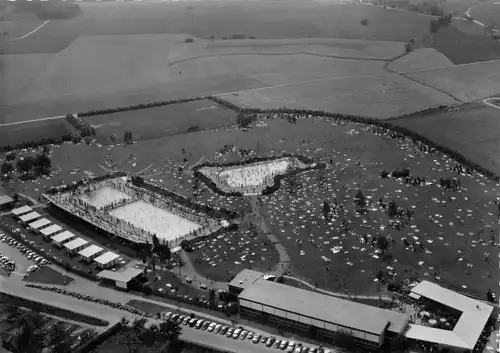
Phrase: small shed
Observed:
(6, 202)
(29, 217)
(38, 224)
(75, 245)
(122, 278)
(21, 210)
(107, 260)
(61, 238)
(50, 230)
(90, 252)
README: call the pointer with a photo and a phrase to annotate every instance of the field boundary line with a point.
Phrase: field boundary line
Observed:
(434, 88)
(277, 54)
(33, 120)
(30, 33)
(487, 102)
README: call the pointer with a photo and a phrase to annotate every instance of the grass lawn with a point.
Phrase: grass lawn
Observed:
(488, 14)
(223, 257)
(445, 223)
(168, 281)
(162, 121)
(464, 43)
(47, 275)
(472, 131)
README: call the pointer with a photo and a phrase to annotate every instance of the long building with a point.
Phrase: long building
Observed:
(327, 315)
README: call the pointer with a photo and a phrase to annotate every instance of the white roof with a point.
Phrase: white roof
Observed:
(123, 276)
(76, 243)
(59, 238)
(40, 223)
(434, 335)
(90, 251)
(475, 314)
(106, 258)
(21, 210)
(51, 229)
(30, 216)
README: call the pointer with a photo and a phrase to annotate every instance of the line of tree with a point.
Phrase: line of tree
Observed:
(442, 21)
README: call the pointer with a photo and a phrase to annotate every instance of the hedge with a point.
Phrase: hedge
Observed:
(138, 106)
(100, 338)
(52, 310)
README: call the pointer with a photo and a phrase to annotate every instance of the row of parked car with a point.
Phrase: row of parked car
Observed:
(241, 334)
(30, 255)
(6, 263)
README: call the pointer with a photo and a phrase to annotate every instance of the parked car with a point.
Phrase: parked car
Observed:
(223, 330)
(205, 325)
(256, 338)
(243, 335)
(199, 323)
(270, 341)
(291, 347)
(283, 344)
(217, 328)
(236, 333)
(277, 344)
(250, 335)
(229, 333)
(211, 327)
(186, 320)
(192, 322)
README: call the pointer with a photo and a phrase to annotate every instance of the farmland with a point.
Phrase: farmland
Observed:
(379, 97)
(162, 121)
(467, 83)
(473, 132)
(420, 59)
(489, 14)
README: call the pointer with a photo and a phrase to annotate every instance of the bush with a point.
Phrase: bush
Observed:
(364, 22)
(147, 290)
(189, 40)
(384, 174)
(194, 129)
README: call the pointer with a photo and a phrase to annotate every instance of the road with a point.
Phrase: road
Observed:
(114, 315)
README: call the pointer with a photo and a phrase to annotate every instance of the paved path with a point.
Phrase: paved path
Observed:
(488, 102)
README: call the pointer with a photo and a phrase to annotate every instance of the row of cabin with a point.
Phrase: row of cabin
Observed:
(61, 238)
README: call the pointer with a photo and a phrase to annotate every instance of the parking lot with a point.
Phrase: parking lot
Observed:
(21, 260)
(239, 333)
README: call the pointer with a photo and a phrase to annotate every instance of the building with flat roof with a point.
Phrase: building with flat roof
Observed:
(21, 210)
(122, 278)
(50, 230)
(327, 315)
(42, 222)
(464, 336)
(6, 202)
(29, 217)
(107, 260)
(243, 280)
(90, 252)
(75, 245)
(61, 238)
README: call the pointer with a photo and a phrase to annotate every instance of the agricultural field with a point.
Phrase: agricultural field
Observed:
(328, 47)
(162, 121)
(378, 97)
(420, 59)
(466, 83)
(12, 29)
(489, 14)
(34, 131)
(467, 44)
(473, 132)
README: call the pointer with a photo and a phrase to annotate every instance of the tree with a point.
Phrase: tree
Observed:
(433, 26)
(364, 22)
(382, 242)
(6, 168)
(58, 339)
(43, 164)
(189, 40)
(489, 296)
(360, 199)
(326, 210)
(211, 298)
(393, 209)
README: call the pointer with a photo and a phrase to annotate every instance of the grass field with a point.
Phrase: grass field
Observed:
(358, 156)
(14, 29)
(489, 14)
(162, 121)
(374, 96)
(221, 258)
(47, 275)
(420, 59)
(15, 134)
(466, 83)
(463, 48)
(258, 19)
(473, 132)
